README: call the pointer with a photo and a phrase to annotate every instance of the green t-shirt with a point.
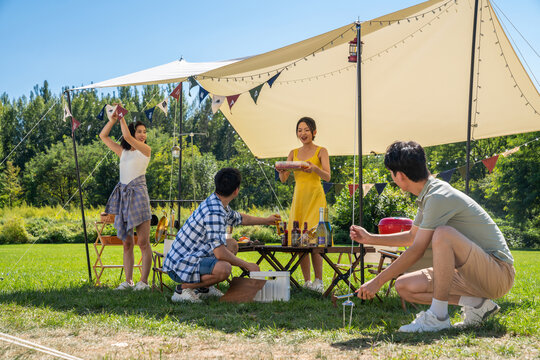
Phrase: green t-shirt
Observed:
(440, 204)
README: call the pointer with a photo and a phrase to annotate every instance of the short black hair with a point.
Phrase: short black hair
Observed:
(132, 127)
(310, 124)
(227, 180)
(408, 157)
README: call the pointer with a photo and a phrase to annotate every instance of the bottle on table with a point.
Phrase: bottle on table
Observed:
(322, 232)
(330, 240)
(295, 234)
(285, 235)
(305, 235)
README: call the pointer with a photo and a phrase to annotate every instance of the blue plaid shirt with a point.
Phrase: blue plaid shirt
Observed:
(205, 230)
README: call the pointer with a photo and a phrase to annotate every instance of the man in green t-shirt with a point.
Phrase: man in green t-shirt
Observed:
(471, 260)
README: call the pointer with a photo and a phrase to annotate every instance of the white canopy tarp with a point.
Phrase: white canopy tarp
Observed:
(415, 84)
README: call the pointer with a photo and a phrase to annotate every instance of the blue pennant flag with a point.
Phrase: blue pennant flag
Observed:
(276, 174)
(202, 93)
(101, 113)
(327, 186)
(272, 79)
(380, 187)
(150, 113)
(192, 83)
(446, 175)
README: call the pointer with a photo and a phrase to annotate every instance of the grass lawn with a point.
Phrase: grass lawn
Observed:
(46, 299)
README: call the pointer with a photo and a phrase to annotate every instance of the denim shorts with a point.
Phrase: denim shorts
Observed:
(206, 265)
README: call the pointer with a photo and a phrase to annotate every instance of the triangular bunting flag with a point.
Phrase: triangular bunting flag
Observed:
(255, 92)
(74, 124)
(120, 111)
(510, 152)
(192, 83)
(352, 188)
(202, 93)
(366, 188)
(327, 186)
(463, 170)
(380, 187)
(109, 110)
(232, 100)
(276, 175)
(176, 92)
(490, 163)
(273, 78)
(164, 106)
(150, 113)
(338, 188)
(446, 175)
(67, 113)
(217, 101)
(101, 114)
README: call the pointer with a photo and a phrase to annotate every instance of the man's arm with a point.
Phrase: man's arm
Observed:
(405, 238)
(399, 266)
(254, 220)
(223, 254)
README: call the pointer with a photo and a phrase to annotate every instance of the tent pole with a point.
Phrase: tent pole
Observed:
(80, 188)
(360, 177)
(180, 129)
(471, 84)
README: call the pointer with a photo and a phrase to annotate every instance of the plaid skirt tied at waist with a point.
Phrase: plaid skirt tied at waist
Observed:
(131, 205)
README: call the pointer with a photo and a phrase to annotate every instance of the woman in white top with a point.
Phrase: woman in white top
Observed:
(129, 200)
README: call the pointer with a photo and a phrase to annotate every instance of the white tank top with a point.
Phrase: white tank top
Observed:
(132, 165)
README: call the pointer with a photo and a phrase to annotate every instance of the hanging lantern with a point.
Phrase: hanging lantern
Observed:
(352, 50)
(175, 151)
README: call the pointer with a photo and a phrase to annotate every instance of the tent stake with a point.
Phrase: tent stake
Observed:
(80, 188)
(469, 122)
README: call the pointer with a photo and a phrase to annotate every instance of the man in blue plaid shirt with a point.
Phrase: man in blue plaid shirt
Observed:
(200, 255)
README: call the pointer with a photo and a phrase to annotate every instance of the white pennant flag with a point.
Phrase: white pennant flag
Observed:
(217, 101)
(67, 113)
(164, 105)
(109, 110)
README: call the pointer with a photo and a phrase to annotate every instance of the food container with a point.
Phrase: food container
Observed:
(291, 165)
(391, 225)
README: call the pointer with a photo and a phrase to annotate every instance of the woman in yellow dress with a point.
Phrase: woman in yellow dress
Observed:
(308, 192)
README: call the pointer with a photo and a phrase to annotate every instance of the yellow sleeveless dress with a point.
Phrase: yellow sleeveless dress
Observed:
(308, 195)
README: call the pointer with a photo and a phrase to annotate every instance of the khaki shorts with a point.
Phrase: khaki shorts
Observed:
(482, 275)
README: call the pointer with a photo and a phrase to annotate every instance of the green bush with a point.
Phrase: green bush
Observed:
(264, 234)
(392, 202)
(12, 231)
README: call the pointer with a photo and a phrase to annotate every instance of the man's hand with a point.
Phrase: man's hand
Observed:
(273, 219)
(252, 267)
(359, 234)
(368, 290)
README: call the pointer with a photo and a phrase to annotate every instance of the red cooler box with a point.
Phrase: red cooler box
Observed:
(392, 225)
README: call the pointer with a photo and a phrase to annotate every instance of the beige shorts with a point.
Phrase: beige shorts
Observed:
(481, 275)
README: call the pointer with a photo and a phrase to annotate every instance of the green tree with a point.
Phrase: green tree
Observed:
(10, 188)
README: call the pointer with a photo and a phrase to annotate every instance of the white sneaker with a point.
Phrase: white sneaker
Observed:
(207, 292)
(307, 285)
(474, 316)
(317, 286)
(141, 286)
(186, 295)
(426, 321)
(125, 286)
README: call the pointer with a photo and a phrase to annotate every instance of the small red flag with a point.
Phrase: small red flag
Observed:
(74, 124)
(232, 100)
(176, 92)
(120, 111)
(490, 163)
(352, 188)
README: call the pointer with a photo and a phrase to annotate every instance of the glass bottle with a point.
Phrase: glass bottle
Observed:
(322, 234)
(330, 240)
(305, 235)
(285, 235)
(295, 234)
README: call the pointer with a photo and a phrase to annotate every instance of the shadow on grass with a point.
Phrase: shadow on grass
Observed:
(305, 311)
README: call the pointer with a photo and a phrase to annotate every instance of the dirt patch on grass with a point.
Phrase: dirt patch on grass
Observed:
(95, 344)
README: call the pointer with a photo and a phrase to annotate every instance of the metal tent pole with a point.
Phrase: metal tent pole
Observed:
(180, 129)
(360, 177)
(80, 188)
(471, 84)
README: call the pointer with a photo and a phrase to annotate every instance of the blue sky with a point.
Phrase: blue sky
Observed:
(71, 43)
